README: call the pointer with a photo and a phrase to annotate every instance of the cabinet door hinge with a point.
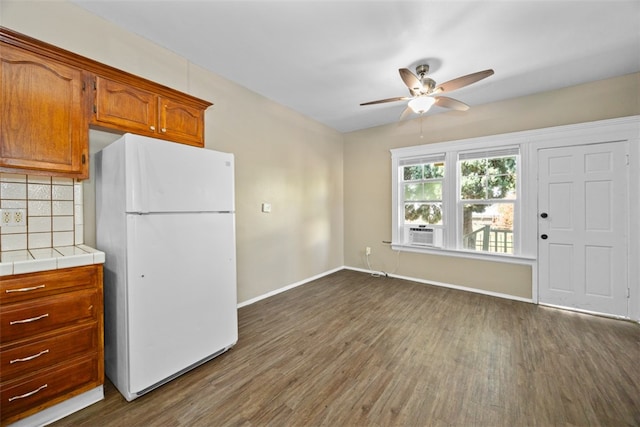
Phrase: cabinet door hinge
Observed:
(84, 159)
(95, 109)
(95, 85)
(628, 293)
(84, 86)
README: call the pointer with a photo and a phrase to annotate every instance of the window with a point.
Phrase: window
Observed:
(459, 199)
(487, 199)
(422, 190)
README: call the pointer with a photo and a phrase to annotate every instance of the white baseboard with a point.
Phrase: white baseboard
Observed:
(412, 279)
(288, 287)
(592, 313)
(445, 285)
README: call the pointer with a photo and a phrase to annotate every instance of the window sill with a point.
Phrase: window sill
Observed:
(495, 257)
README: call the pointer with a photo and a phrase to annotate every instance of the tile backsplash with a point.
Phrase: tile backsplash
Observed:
(53, 207)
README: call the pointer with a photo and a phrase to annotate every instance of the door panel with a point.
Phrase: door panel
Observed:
(181, 292)
(583, 260)
(560, 277)
(169, 177)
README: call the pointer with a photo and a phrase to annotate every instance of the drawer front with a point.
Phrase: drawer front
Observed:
(26, 319)
(21, 287)
(27, 358)
(47, 387)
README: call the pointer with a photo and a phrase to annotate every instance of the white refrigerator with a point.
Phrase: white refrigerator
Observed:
(165, 220)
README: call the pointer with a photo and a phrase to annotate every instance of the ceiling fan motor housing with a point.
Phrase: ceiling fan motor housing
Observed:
(422, 69)
(427, 84)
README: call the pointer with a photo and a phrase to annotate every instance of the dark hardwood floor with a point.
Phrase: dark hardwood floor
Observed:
(353, 350)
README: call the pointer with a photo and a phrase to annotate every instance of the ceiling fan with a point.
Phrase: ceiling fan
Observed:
(423, 90)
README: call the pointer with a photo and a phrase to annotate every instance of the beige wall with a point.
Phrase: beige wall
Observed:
(367, 163)
(282, 158)
(306, 170)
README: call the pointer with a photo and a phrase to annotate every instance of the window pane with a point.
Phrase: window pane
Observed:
(501, 187)
(412, 173)
(473, 187)
(473, 167)
(423, 213)
(423, 191)
(488, 227)
(413, 192)
(434, 170)
(433, 190)
(491, 178)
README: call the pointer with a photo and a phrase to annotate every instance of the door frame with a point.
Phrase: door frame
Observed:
(602, 131)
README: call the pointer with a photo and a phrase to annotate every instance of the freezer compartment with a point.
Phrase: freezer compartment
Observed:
(162, 176)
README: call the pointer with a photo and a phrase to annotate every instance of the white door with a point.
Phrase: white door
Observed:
(181, 292)
(583, 227)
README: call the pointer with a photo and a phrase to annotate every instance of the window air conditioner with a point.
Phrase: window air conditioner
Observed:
(423, 236)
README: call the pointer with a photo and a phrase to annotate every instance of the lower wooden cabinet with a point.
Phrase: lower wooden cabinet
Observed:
(51, 330)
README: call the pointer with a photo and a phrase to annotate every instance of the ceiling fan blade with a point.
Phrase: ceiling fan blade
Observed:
(381, 101)
(454, 104)
(463, 81)
(410, 80)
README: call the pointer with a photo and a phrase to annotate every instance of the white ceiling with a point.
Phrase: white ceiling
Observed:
(324, 58)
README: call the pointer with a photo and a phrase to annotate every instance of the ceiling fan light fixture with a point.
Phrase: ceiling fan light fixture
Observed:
(421, 104)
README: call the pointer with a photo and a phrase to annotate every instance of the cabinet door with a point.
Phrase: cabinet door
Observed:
(180, 122)
(124, 107)
(42, 123)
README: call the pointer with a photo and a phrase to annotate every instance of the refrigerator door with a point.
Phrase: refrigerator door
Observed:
(165, 176)
(181, 292)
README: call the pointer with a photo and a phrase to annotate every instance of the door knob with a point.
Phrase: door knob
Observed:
(543, 215)
(544, 237)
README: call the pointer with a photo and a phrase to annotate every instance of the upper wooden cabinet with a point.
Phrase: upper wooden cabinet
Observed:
(50, 97)
(42, 125)
(123, 106)
(181, 122)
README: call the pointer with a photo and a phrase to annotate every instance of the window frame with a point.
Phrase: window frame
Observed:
(452, 205)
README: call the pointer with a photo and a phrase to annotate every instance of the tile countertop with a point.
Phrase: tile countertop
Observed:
(33, 260)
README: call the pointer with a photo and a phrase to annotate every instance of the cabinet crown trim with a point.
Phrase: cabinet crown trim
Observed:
(55, 53)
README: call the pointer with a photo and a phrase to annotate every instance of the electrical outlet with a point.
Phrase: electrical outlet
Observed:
(13, 217)
(367, 250)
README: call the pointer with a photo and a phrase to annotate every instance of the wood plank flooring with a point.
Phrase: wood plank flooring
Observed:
(354, 350)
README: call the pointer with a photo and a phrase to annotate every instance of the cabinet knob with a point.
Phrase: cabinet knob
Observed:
(544, 215)
(544, 237)
(152, 127)
(163, 130)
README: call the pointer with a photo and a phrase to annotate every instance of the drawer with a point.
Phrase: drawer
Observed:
(47, 387)
(17, 360)
(26, 319)
(33, 285)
